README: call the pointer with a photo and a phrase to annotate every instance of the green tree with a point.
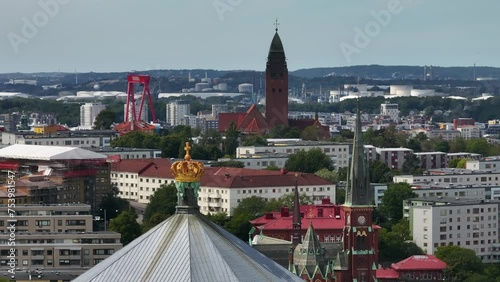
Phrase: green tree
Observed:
(231, 142)
(219, 218)
(458, 145)
(162, 203)
(414, 144)
(411, 165)
(329, 175)
(379, 172)
(478, 146)
(169, 145)
(308, 161)
(284, 131)
(104, 119)
(394, 244)
(287, 200)
(339, 196)
(461, 262)
(230, 163)
(272, 167)
(392, 201)
(454, 162)
(126, 224)
(442, 146)
(311, 133)
(254, 140)
(342, 173)
(462, 163)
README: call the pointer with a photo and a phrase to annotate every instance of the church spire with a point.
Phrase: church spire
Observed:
(358, 186)
(297, 228)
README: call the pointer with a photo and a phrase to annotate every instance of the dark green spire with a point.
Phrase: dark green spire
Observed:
(358, 185)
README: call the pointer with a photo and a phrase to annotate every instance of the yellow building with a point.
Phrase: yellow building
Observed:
(45, 129)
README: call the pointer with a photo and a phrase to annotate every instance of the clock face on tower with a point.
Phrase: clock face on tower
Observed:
(361, 220)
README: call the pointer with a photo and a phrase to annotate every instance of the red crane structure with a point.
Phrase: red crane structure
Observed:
(133, 79)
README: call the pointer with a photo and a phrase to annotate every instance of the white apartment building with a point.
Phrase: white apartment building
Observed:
(488, 163)
(219, 108)
(391, 110)
(144, 113)
(463, 155)
(394, 157)
(84, 138)
(89, 112)
(469, 132)
(471, 224)
(339, 152)
(452, 177)
(221, 189)
(176, 111)
(446, 135)
(261, 162)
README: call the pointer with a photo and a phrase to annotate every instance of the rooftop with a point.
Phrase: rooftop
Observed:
(48, 153)
(420, 262)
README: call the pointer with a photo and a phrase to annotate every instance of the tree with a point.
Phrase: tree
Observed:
(219, 218)
(462, 163)
(170, 146)
(394, 244)
(287, 200)
(411, 165)
(254, 140)
(379, 172)
(162, 203)
(231, 141)
(457, 145)
(478, 146)
(327, 174)
(414, 144)
(126, 224)
(230, 163)
(311, 133)
(461, 262)
(104, 119)
(442, 146)
(392, 201)
(308, 161)
(284, 131)
(272, 167)
(454, 162)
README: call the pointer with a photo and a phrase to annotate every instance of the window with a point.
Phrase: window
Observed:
(42, 223)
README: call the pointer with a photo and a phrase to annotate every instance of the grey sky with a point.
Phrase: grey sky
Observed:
(124, 35)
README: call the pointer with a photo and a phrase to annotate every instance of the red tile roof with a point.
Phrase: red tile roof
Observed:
(126, 127)
(140, 165)
(420, 262)
(386, 274)
(225, 120)
(332, 218)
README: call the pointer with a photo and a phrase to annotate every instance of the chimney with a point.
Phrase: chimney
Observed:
(285, 212)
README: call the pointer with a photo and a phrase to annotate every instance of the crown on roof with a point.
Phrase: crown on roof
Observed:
(187, 170)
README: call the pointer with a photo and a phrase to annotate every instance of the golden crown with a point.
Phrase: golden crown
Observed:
(187, 170)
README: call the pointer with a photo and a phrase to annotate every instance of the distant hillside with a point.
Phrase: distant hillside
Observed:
(400, 72)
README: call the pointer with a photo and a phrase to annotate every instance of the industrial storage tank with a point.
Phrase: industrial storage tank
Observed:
(423, 92)
(201, 85)
(245, 88)
(401, 90)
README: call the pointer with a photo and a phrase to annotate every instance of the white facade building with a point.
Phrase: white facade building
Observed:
(488, 163)
(89, 112)
(394, 157)
(338, 152)
(391, 110)
(470, 224)
(452, 177)
(469, 132)
(176, 111)
(144, 113)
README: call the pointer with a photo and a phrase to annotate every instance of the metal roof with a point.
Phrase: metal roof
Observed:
(187, 247)
(48, 153)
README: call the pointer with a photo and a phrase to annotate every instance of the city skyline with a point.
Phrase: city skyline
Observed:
(107, 36)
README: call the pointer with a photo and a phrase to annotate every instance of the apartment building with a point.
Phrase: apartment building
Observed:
(446, 135)
(451, 176)
(469, 132)
(260, 162)
(339, 152)
(82, 138)
(430, 160)
(118, 153)
(391, 110)
(221, 189)
(55, 238)
(176, 111)
(463, 155)
(471, 224)
(488, 163)
(89, 112)
(394, 157)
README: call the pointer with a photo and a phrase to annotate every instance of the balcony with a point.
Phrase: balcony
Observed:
(214, 195)
(215, 204)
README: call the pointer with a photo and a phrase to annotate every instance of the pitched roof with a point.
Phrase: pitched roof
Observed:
(225, 120)
(140, 165)
(309, 256)
(420, 262)
(187, 247)
(126, 127)
(386, 274)
(48, 153)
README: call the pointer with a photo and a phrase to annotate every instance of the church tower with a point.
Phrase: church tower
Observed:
(276, 84)
(360, 239)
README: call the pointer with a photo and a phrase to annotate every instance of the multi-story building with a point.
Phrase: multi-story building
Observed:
(462, 122)
(463, 155)
(446, 135)
(260, 162)
(89, 112)
(338, 152)
(118, 153)
(43, 118)
(452, 176)
(469, 132)
(394, 157)
(144, 113)
(430, 160)
(488, 163)
(54, 175)
(470, 224)
(219, 108)
(52, 238)
(81, 138)
(9, 121)
(221, 189)
(391, 110)
(176, 111)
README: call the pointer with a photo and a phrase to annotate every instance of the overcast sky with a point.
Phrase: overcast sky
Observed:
(125, 35)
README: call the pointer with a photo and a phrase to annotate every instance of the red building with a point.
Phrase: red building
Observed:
(276, 113)
(462, 122)
(414, 268)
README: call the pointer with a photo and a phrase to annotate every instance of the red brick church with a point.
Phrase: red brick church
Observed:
(276, 113)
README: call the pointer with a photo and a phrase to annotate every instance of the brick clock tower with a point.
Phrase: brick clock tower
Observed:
(276, 84)
(360, 239)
